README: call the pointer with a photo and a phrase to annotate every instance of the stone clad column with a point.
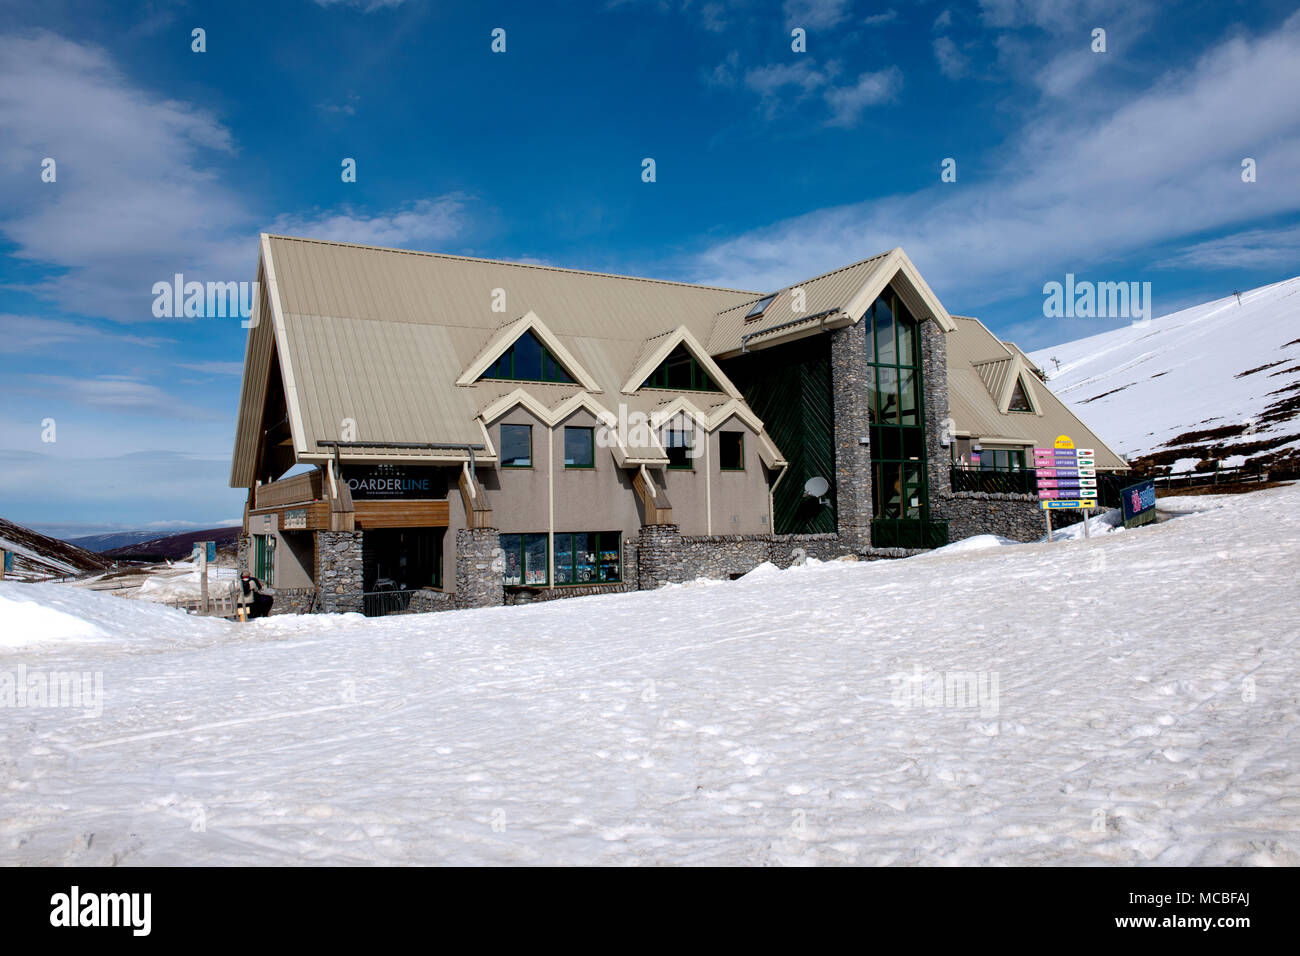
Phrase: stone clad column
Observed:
(338, 571)
(658, 555)
(850, 397)
(934, 372)
(480, 568)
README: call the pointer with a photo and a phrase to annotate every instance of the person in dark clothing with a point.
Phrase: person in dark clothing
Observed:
(252, 596)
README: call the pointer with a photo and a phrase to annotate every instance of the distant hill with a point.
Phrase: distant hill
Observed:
(178, 546)
(1218, 382)
(107, 541)
(39, 556)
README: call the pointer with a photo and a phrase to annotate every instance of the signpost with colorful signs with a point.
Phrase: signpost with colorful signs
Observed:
(1067, 479)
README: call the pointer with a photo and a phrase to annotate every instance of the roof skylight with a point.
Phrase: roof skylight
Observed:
(760, 307)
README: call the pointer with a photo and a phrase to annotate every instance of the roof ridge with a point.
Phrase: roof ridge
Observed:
(506, 262)
(795, 285)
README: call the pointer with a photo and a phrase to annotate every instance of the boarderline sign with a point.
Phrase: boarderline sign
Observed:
(393, 481)
(1067, 476)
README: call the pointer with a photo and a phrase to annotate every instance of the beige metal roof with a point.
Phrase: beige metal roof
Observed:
(378, 337)
(829, 292)
(835, 298)
(374, 340)
(979, 369)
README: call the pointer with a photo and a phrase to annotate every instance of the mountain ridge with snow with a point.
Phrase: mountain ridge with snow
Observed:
(1187, 389)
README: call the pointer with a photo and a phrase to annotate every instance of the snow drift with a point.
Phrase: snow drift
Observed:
(1129, 699)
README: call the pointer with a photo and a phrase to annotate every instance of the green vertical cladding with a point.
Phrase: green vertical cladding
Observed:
(789, 388)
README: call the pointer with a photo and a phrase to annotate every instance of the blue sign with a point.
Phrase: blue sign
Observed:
(1138, 503)
(9, 561)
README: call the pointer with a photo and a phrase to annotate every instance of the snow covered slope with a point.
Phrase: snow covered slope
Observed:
(38, 557)
(1134, 702)
(1220, 380)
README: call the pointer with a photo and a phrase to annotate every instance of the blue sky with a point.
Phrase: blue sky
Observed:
(772, 166)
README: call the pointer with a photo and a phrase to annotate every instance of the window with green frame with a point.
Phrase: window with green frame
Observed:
(526, 561)
(1002, 459)
(579, 447)
(898, 456)
(678, 443)
(588, 557)
(516, 446)
(731, 451)
(681, 372)
(528, 360)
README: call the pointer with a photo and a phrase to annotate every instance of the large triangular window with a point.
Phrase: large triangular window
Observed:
(528, 360)
(1019, 399)
(681, 372)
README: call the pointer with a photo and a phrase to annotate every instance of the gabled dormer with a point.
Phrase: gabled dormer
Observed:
(676, 361)
(527, 351)
(1010, 384)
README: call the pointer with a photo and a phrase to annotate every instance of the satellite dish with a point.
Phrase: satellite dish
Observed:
(815, 487)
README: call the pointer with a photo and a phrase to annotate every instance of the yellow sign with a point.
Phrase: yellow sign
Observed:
(1064, 441)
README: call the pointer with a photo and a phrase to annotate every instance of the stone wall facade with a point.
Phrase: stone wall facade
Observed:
(430, 599)
(1019, 517)
(538, 595)
(293, 600)
(669, 557)
(480, 568)
(338, 571)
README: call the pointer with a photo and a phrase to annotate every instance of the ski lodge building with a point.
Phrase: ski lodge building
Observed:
(421, 431)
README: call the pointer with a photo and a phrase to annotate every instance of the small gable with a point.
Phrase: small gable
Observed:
(681, 372)
(528, 360)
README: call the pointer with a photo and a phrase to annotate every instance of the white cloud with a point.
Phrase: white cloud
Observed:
(1055, 16)
(848, 102)
(889, 16)
(426, 220)
(845, 103)
(24, 333)
(215, 368)
(772, 79)
(713, 16)
(815, 14)
(1059, 63)
(1251, 249)
(191, 488)
(346, 108)
(725, 73)
(952, 62)
(1075, 191)
(135, 199)
(365, 6)
(120, 394)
